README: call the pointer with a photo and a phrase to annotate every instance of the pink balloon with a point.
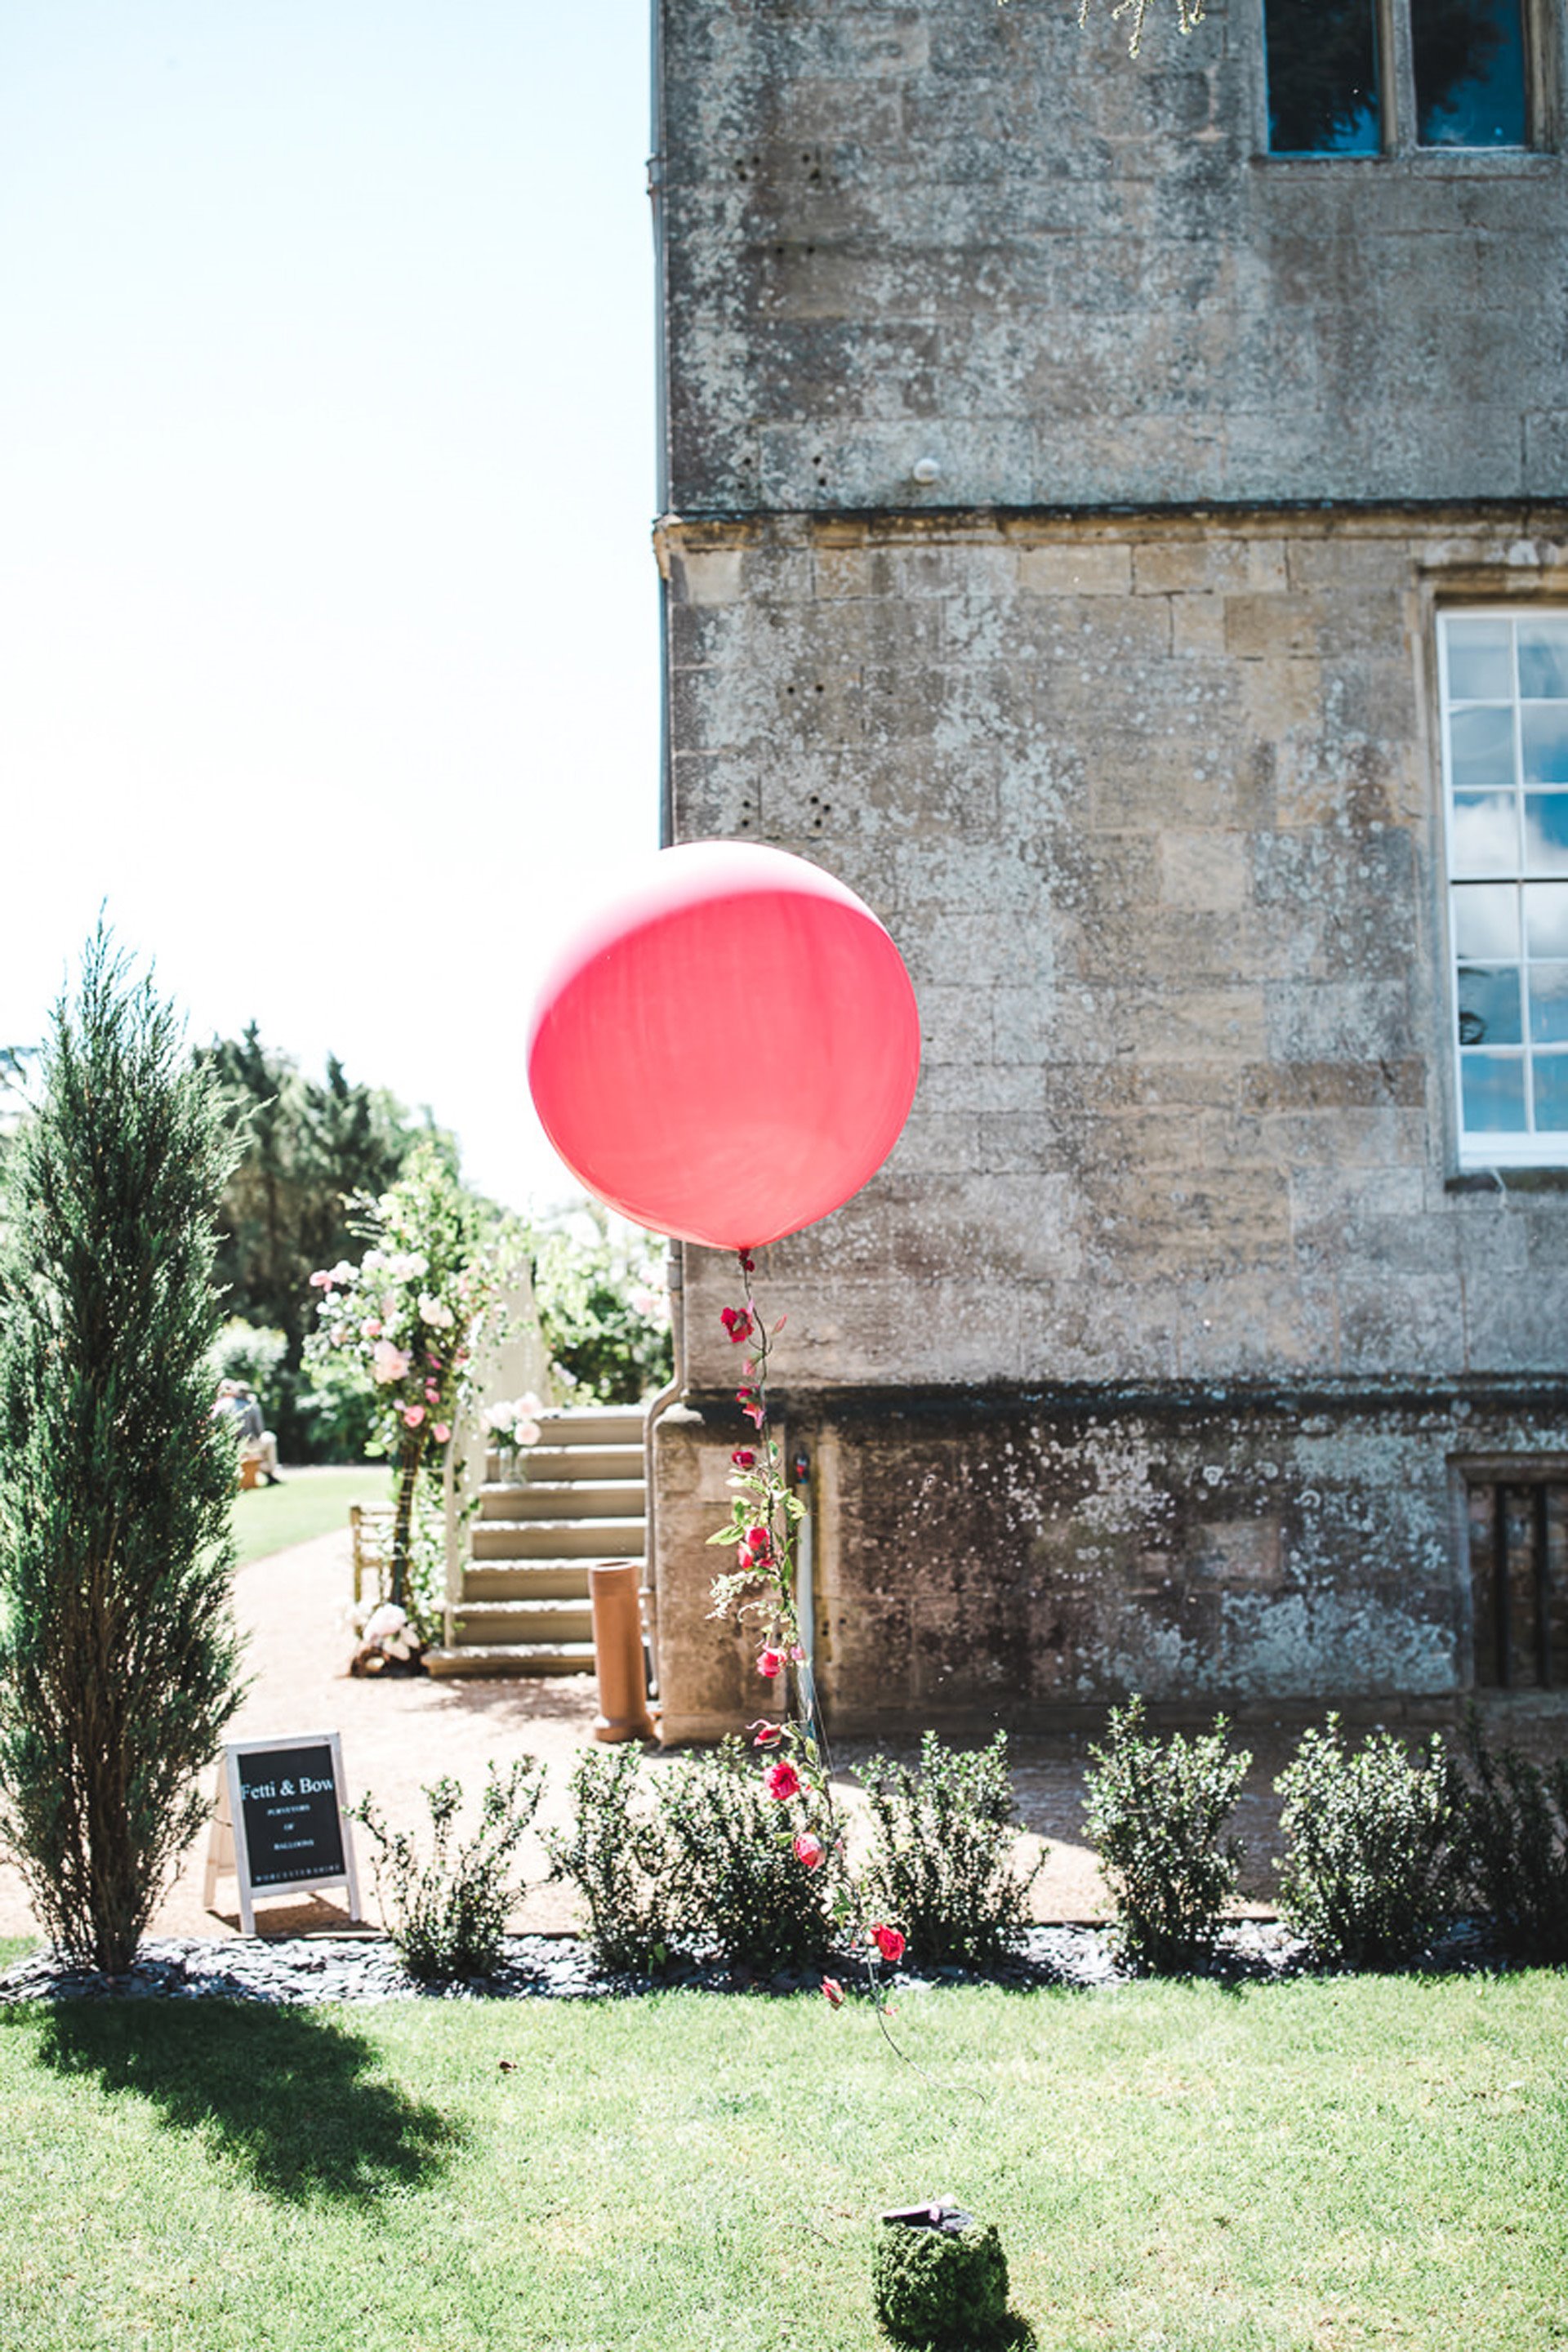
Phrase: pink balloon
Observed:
(728, 1048)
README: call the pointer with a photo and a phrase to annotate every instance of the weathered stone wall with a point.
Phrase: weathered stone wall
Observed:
(975, 233)
(1029, 1560)
(1146, 1360)
(1153, 811)
(1153, 806)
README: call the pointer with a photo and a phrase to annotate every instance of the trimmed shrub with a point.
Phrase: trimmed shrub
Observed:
(618, 1857)
(940, 2287)
(1514, 1847)
(1155, 1812)
(446, 1917)
(1369, 1870)
(118, 1661)
(738, 1889)
(944, 1846)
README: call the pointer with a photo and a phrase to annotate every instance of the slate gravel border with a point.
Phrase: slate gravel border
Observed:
(318, 1968)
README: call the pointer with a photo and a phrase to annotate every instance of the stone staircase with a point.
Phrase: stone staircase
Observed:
(577, 1498)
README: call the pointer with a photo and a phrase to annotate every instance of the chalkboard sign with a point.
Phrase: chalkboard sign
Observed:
(281, 1820)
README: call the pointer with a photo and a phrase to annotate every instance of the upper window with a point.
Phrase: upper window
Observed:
(1505, 761)
(1331, 91)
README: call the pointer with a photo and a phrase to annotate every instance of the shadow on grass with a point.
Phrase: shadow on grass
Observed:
(291, 2093)
(1013, 2334)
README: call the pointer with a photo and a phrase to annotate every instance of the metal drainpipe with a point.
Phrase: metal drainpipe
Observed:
(655, 1411)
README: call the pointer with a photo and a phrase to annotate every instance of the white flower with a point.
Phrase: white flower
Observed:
(499, 1417)
(343, 1271)
(408, 1267)
(527, 1433)
(528, 1407)
(435, 1312)
(372, 1261)
(385, 1624)
(388, 1363)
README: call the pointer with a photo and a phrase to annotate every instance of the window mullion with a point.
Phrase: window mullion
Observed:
(1396, 76)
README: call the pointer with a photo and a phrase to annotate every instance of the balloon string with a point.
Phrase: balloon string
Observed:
(785, 1652)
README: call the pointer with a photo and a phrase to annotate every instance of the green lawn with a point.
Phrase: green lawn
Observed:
(307, 1503)
(1362, 2163)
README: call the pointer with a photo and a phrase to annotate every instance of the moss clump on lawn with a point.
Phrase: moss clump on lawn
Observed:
(941, 2286)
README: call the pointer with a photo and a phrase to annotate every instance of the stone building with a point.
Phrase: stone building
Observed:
(1116, 517)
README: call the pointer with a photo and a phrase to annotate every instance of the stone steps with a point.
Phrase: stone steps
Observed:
(576, 1498)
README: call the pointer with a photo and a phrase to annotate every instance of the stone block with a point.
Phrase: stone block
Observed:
(1206, 870)
(1076, 570)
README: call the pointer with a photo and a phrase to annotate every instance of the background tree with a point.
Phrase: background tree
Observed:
(310, 1147)
(604, 1307)
(117, 1655)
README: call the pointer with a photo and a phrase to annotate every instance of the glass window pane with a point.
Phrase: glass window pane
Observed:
(1493, 1088)
(1548, 1004)
(1552, 1092)
(1488, 1005)
(1480, 747)
(1322, 60)
(1486, 833)
(1485, 922)
(1543, 656)
(1543, 740)
(1480, 661)
(1545, 919)
(1469, 73)
(1545, 835)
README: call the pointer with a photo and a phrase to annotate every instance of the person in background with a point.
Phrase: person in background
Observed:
(255, 1437)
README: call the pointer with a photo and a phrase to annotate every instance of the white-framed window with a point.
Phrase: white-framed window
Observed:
(1504, 682)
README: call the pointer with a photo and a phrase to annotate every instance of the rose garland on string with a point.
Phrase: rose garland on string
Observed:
(760, 1591)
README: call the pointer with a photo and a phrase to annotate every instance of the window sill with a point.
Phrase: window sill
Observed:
(1508, 1180)
(1433, 163)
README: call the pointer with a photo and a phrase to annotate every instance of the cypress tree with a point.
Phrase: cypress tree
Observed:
(118, 1652)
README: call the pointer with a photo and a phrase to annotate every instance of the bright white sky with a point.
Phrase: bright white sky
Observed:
(328, 619)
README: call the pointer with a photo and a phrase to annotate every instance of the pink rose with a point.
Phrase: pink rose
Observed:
(756, 1539)
(441, 1433)
(809, 1850)
(321, 1280)
(889, 1942)
(738, 1324)
(769, 1662)
(768, 1735)
(413, 1414)
(782, 1782)
(371, 1328)
(388, 1363)
(833, 1993)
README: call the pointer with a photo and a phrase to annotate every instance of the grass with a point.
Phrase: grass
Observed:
(308, 1503)
(1361, 2163)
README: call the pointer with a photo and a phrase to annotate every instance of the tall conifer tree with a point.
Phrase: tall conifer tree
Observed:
(117, 1654)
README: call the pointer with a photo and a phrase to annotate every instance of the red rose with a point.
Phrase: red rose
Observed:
(769, 1662)
(744, 1458)
(756, 1539)
(782, 1780)
(889, 1942)
(809, 1850)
